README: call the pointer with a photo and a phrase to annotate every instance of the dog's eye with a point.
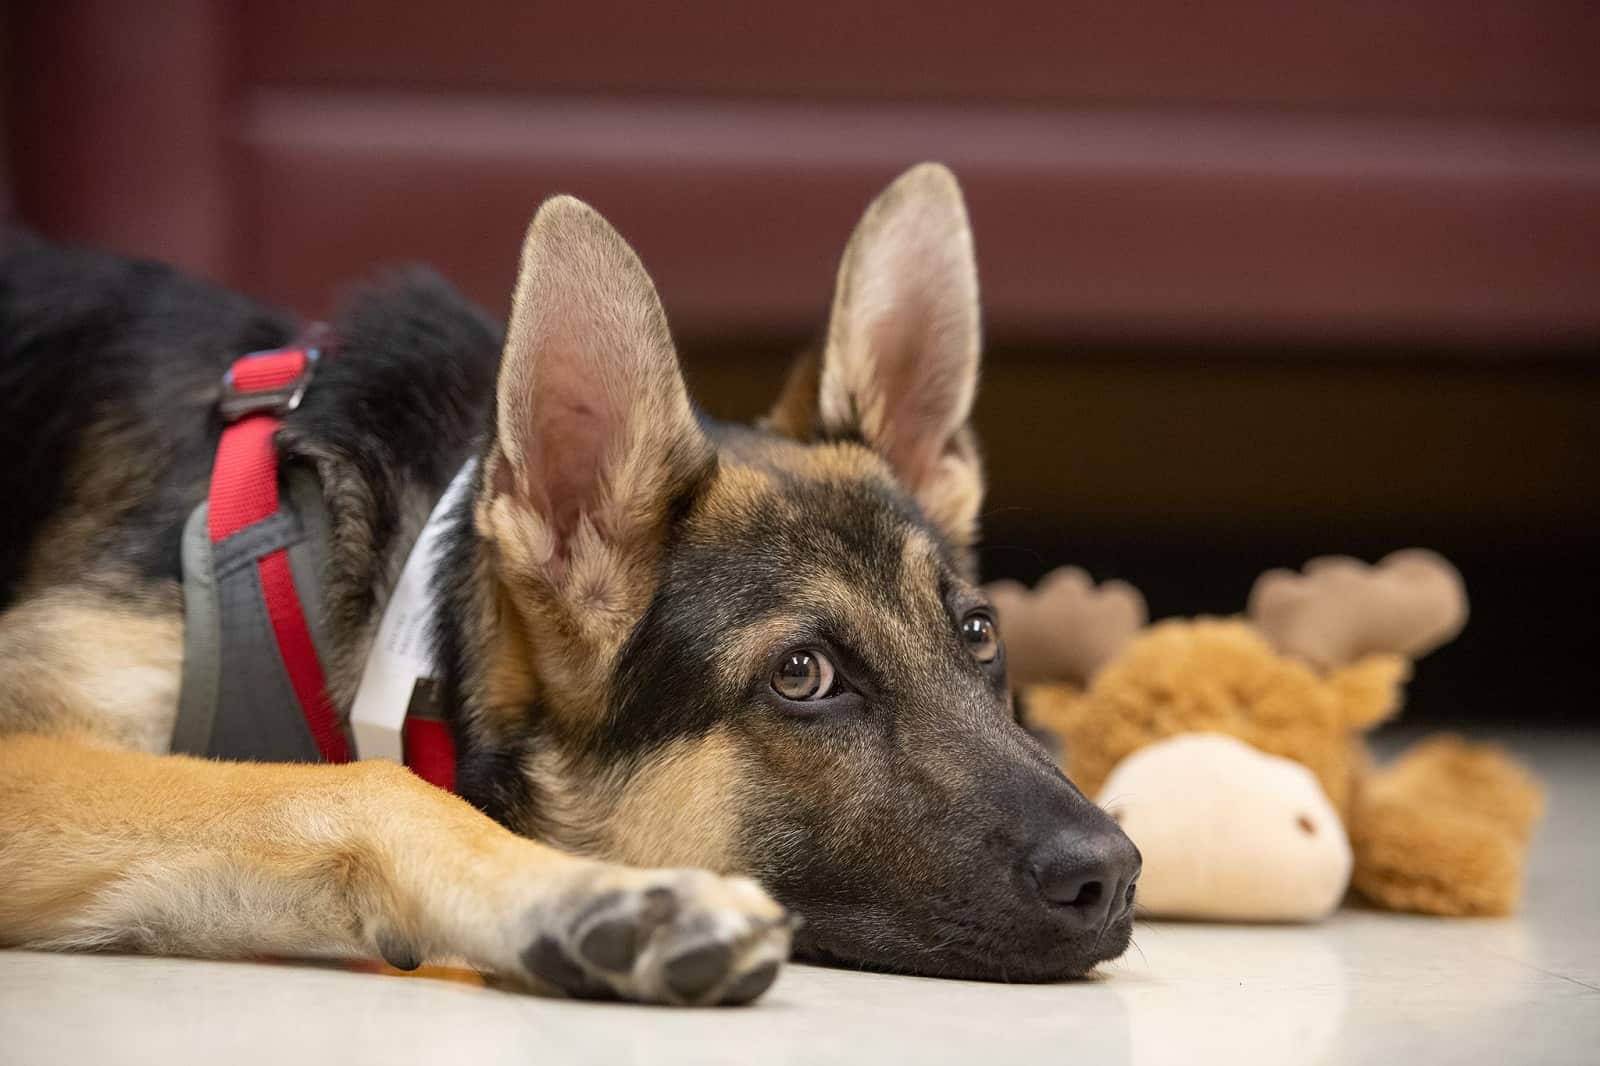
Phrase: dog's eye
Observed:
(983, 639)
(803, 675)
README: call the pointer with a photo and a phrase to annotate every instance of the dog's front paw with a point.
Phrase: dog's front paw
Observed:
(659, 936)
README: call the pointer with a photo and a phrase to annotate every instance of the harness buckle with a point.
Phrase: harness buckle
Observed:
(271, 382)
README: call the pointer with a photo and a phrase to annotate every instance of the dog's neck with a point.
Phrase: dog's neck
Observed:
(405, 400)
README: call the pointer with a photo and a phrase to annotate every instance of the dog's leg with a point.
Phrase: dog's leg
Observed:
(123, 850)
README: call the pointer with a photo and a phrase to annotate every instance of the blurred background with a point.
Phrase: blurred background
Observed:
(1262, 280)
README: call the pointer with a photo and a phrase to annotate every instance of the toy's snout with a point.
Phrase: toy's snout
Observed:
(1229, 832)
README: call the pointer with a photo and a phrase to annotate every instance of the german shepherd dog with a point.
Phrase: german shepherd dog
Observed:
(700, 677)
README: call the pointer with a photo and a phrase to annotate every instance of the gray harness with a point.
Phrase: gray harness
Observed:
(236, 700)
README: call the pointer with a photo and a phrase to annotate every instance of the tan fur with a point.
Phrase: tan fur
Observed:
(741, 649)
(795, 415)
(99, 664)
(680, 807)
(952, 494)
(683, 806)
(505, 679)
(841, 461)
(110, 475)
(188, 856)
(919, 575)
(740, 652)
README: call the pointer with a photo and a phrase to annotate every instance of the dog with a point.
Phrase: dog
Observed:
(700, 678)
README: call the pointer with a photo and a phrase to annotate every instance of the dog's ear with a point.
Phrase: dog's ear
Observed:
(594, 436)
(900, 366)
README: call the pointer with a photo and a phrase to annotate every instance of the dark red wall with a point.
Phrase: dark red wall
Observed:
(1262, 279)
(1364, 171)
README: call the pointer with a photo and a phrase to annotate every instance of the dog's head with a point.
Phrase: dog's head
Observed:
(762, 649)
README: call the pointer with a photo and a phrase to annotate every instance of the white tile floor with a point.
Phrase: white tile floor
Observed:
(1364, 987)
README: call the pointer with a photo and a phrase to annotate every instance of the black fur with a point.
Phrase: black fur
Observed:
(89, 339)
(136, 348)
(401, 404)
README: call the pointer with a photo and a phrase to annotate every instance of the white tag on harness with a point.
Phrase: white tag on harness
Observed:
(400, 667)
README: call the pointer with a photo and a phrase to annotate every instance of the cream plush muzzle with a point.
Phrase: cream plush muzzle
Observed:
(1275, 851)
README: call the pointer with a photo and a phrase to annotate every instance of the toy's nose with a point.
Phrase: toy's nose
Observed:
(1091, 876)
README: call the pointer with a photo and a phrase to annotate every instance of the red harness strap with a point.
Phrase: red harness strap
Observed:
(258, 390)
(430, 750)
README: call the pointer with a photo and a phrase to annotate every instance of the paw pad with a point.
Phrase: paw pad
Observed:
(697, 971)
(686, 937)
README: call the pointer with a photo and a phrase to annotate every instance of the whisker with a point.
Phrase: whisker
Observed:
(1113, 804)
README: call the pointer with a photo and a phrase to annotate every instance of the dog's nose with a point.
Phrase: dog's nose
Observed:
(1092, 876)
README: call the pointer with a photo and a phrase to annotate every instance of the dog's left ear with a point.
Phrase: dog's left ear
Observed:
(900, 366)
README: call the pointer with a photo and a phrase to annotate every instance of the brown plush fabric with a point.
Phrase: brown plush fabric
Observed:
(1337, 609)
(1442, 831)
(1066, 627)
(1445, 830)
(1220, 676)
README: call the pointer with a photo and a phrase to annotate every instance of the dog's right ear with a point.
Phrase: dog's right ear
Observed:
(595, 441)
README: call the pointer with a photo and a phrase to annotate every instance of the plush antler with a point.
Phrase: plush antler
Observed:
(1340, 609)
(1067, 627)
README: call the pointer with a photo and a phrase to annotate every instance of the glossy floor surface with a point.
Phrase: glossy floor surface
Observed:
(1364, 987)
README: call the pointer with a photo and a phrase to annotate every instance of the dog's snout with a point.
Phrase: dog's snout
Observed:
(1092, 877)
